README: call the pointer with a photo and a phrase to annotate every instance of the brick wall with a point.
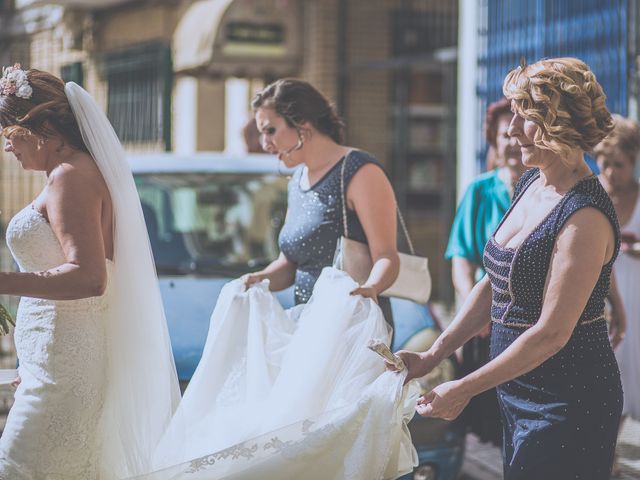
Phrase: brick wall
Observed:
(320, 55)
(368, 102)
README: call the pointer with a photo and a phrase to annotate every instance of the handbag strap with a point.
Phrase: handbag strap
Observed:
(344, 210)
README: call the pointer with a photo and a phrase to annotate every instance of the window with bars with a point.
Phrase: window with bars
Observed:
(594, 31)
(418, 32)
(73, 72)
(139, 94)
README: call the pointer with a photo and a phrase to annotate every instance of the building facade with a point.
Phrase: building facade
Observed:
(498, 34)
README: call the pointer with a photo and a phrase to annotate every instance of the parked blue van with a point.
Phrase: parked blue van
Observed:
(212, 218)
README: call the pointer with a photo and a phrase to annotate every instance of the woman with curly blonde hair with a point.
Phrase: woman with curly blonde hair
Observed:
(548, 269)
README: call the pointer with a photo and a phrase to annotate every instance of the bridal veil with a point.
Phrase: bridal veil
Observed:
(142, 389)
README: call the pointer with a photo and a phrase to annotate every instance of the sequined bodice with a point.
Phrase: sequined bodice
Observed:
(314, 222)
(518, 275)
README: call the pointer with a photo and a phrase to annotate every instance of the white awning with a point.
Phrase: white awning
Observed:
(195, 35)
(238, 38)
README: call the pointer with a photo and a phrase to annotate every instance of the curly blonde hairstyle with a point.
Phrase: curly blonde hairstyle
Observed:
(564, 99)
(624, 138)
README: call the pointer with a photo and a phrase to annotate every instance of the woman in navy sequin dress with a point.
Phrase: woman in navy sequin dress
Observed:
(549, 266)
(298, 123)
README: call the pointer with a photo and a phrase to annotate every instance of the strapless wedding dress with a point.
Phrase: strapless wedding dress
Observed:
(52, 429)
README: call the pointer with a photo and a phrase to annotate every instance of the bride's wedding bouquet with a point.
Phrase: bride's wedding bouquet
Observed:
(5, 320)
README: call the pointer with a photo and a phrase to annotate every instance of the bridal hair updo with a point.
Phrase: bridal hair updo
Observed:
(298, 102)
(46, 113)
(624, 139)
(564, 99)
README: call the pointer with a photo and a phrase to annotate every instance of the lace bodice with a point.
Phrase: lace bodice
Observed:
(32, 242)
(35, 247)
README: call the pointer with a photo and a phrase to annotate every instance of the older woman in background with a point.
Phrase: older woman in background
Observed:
(485, 202)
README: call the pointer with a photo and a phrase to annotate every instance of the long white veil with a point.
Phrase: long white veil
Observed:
(142, 391)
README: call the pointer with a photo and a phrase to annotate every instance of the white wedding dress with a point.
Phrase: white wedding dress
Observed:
(52, 429)
(291, 394)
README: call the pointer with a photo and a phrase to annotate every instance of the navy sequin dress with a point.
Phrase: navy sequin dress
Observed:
(314, 223)
(561, 419)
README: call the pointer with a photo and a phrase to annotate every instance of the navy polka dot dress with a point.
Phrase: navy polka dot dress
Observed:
(561, 419)
(314, 223)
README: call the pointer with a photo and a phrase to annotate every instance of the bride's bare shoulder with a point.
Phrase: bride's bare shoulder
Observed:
(78, 175)
(79, 167)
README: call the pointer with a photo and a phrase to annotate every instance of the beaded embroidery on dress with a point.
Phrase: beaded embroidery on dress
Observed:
(52, 431)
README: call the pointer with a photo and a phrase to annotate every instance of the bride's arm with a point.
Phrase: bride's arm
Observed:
(470, 320)
(74, 210)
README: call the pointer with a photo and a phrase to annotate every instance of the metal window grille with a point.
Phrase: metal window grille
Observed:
(73, 72)
(593, 30)
(139, 94)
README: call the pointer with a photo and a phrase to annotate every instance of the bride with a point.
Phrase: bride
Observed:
(97, 384)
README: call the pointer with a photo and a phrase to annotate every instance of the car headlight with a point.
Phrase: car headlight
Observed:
(444, 372)
(424, 472)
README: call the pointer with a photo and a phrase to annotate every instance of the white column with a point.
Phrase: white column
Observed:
(236, 112)
(467, 130)
(185, 115)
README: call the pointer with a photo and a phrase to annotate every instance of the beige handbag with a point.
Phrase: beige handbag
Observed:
(414, 280)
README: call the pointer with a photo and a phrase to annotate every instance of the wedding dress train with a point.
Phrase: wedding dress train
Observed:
(291, 394)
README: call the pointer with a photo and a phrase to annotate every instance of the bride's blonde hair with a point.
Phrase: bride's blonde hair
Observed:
(564, 99)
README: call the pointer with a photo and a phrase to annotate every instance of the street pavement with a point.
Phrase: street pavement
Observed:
(484, 462)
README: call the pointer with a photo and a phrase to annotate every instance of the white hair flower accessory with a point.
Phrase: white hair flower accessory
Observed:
(14, 82)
